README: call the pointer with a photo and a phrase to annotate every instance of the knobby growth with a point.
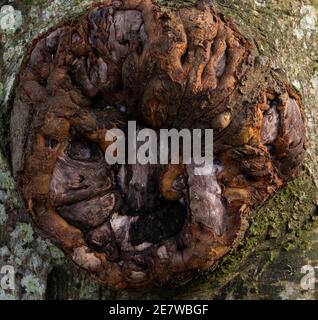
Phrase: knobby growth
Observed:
(135, 226)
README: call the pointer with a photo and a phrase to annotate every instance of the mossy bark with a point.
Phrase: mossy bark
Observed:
(283, 234)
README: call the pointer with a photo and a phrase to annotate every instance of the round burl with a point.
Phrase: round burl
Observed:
(133, 226)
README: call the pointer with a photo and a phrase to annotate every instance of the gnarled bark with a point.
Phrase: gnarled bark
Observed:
(188, 68)
(280, 239)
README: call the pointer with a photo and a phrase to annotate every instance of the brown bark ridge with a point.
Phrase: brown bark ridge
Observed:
(134, 226)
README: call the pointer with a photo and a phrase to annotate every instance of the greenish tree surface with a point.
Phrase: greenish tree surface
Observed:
(283, 233)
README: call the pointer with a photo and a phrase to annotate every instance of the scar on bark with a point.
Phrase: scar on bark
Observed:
(134, 226)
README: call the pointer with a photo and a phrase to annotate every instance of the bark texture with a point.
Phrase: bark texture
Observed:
(225, 281)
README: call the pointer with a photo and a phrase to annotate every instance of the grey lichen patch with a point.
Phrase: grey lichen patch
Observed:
(31, 257)
(314, 83)
(10, 19)
(6, 296)
(45, 247)
(20, 237)
(309, 18)
(53, 11)
(23, 233)
(3, 215)
(6, 181)
(8, 194)
(4, 252)
(33, 285)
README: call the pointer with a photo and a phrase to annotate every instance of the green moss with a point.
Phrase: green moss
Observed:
(289, 212)
(270, 238)
(175, 4)
(55, 252)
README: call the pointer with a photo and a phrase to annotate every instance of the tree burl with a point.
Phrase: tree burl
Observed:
(133, 226)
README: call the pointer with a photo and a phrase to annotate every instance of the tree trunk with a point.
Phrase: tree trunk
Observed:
(282, 236)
